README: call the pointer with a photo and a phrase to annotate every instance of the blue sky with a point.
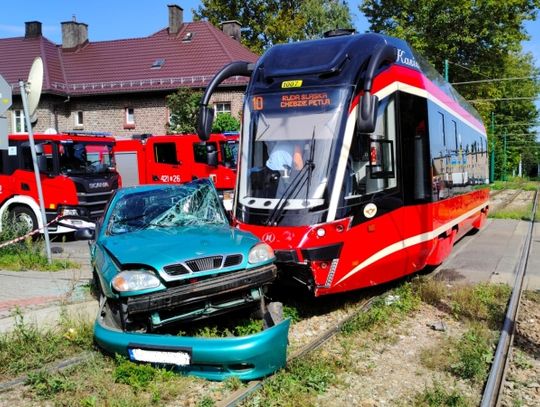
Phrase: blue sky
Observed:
(114, 19)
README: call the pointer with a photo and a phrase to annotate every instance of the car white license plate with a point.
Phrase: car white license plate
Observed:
(177, 358)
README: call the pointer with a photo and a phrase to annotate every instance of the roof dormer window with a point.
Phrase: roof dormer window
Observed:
(188, 37)
(158, 63)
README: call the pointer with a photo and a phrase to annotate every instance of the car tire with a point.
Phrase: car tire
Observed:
(23, 219)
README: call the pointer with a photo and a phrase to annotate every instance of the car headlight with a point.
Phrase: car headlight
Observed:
(134, 280)
(259, 253)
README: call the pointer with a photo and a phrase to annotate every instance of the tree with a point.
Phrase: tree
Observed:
(268, 22)
(482, 40)
(183, 106)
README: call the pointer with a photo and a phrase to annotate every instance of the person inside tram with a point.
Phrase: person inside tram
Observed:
(284, 160)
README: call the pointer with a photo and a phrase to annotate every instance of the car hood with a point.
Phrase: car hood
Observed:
(160, 247)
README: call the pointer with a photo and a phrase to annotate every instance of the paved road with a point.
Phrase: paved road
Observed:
(490, 255)
(39, 294)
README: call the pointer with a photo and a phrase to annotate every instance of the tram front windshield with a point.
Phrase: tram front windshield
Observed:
(288, 144)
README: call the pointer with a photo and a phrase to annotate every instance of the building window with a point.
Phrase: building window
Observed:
(79, 119)
(19, 123)
(222, 107)
(129, 122)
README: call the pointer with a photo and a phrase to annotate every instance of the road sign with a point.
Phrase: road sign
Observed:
(5, 95)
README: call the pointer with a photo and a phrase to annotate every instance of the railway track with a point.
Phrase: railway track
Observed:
(494, 384)
(242, 394)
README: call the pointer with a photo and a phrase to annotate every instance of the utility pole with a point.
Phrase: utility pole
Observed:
(504, 157)
(492, 155)
(446, 70)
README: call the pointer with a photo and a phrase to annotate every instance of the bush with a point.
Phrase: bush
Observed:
(225, 122)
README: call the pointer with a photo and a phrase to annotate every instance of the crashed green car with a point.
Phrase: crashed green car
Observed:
(165, 255)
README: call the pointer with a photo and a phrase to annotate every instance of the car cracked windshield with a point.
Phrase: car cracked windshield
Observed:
(193, 204)
(84, 158)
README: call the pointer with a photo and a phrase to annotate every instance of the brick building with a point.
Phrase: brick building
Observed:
(120, 86)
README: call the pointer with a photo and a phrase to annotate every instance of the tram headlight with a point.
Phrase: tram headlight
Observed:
(321, 232)
(134, 280)
(259, 253)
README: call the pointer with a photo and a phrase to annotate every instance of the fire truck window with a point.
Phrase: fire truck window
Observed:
(165, 153)
(371, 163)
(201, 150)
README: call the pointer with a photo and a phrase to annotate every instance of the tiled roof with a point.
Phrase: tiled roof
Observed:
(121, 66)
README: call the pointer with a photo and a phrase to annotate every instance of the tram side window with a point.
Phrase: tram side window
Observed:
(371, 163)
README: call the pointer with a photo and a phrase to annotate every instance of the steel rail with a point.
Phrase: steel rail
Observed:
(497, 373)
(56, 367)
(240, 395)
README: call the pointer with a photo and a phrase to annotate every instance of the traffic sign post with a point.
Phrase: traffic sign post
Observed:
(5, 104)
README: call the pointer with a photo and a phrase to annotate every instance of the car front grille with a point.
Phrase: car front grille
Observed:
(203, 264)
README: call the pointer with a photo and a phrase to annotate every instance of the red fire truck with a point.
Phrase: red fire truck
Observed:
(358, 163)
(175, 159)
(78, 177)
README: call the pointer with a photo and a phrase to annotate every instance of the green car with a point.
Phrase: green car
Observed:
(164, 255)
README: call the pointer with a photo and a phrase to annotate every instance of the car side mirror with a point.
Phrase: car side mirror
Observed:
(85, 234)
(205, 122)
(367, 113)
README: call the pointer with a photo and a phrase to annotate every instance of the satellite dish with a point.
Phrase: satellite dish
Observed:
(34, 86)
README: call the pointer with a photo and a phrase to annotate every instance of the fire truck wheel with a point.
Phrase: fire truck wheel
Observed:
(23, 219)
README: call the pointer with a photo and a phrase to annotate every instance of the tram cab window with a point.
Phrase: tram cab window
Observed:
(371, 163)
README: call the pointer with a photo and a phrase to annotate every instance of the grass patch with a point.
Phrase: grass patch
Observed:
(104, 381)
(28, 254)
(516, 183)
(245, 326)
(481, 302)
(388, 309)
(471, 356)
(27, 347)
(518, 214)
(298, 384)
(440, 396)
(467, 357)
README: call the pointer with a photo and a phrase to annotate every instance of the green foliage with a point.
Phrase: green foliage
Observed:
(477, 48)
(27, 254)
(291, 313)
(298, 384)
(265, 23)
(46, 384)
(401, 301)
(440, 396)
(183, 106)
(472, 354)
(206, 401)
(481, 302)
(138, 376)
(516, 183)
(225, 122)
(27, 347)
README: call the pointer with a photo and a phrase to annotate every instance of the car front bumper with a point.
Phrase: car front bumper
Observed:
(246, 357)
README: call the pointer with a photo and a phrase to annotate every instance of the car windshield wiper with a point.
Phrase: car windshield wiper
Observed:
(296, 185)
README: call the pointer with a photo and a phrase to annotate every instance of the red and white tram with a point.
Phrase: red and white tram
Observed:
(358, 163)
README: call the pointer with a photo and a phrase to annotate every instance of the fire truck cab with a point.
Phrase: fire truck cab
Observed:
(176, 159)
(77, 174)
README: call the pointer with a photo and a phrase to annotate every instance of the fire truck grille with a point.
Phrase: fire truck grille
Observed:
(94, 202)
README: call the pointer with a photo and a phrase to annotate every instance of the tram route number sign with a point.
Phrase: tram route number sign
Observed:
(5, 104)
